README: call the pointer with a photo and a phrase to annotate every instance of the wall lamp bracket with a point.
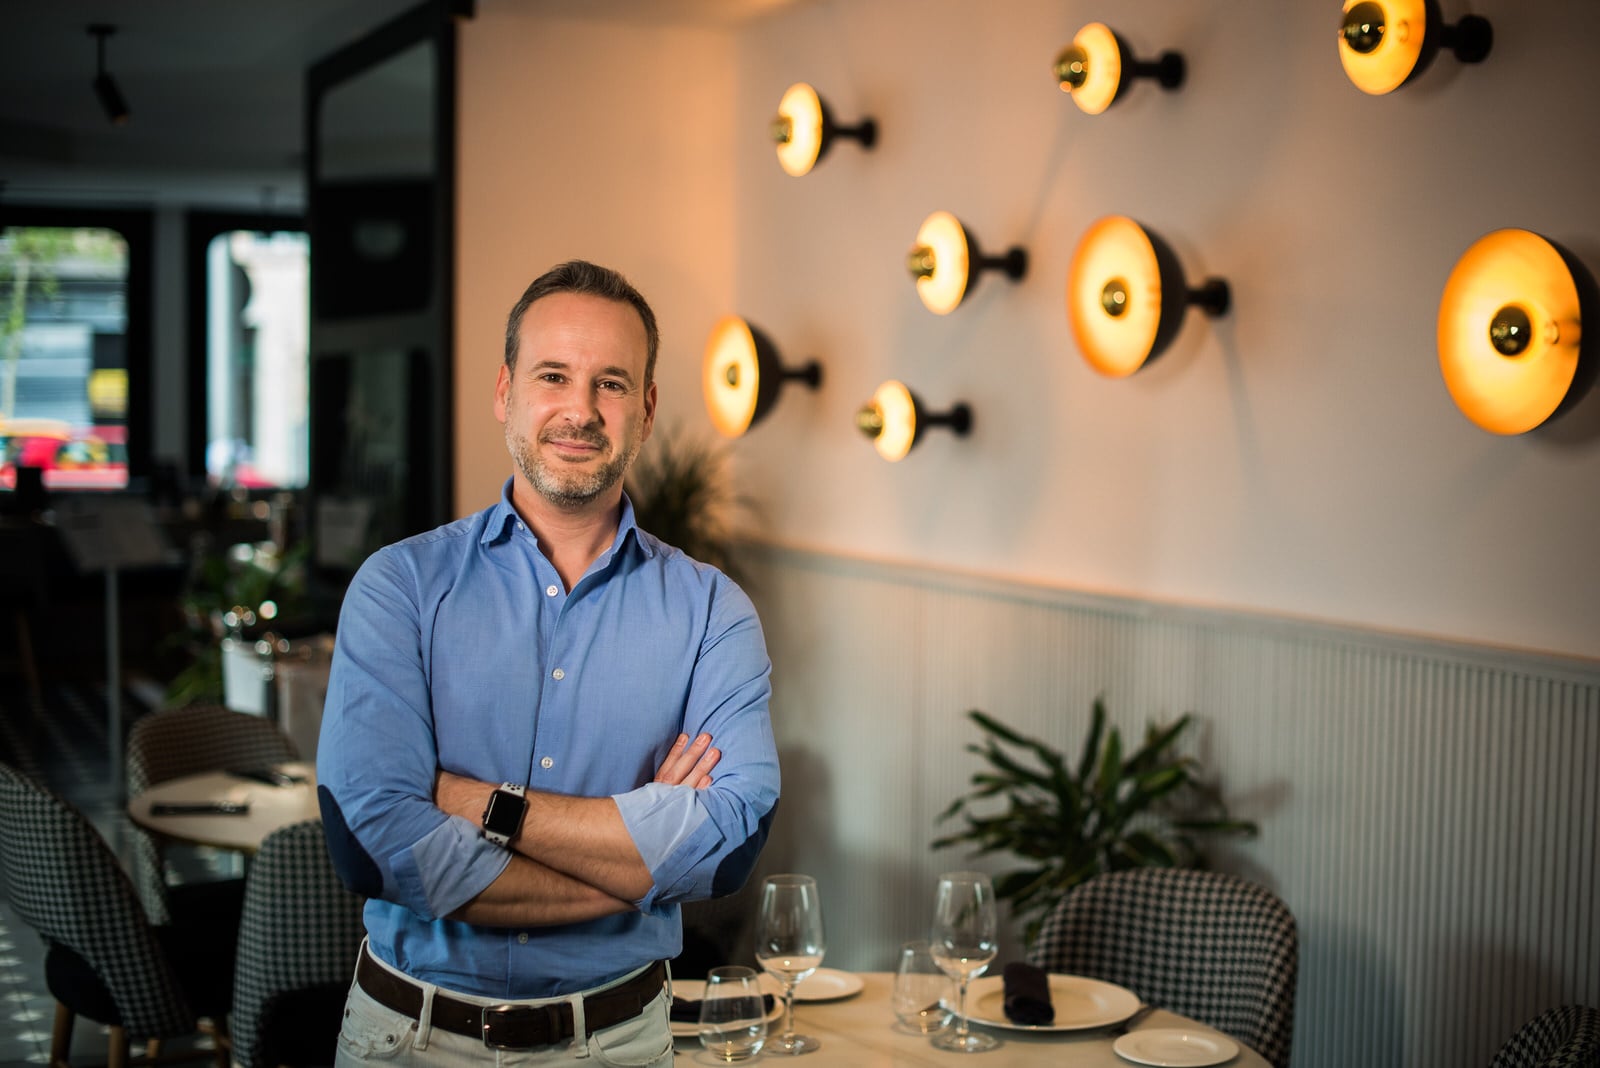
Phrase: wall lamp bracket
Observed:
(1095, 67)
(945, 262)
(895, 419)
(804, 129)
(1383, 44)
(742, 375)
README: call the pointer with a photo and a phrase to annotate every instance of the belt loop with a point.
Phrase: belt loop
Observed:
(425, 1017)
(580, 1029)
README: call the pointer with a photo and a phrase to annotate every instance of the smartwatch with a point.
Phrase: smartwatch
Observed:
(503, 818)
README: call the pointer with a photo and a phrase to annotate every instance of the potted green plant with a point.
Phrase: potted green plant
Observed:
(683, 493)
(240, 593)
(1109, 813)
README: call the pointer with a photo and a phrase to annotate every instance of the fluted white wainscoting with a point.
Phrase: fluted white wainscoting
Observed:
(1430, 811)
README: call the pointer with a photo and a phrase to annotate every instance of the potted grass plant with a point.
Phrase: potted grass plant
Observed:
(682, 492)
(1111, 811)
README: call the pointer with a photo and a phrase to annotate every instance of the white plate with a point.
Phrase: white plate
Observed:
(828, 984)
(1079, 1002)
(692, 990)
(1170, 1047)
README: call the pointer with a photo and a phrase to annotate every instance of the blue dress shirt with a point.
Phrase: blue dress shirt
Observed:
(460, 649)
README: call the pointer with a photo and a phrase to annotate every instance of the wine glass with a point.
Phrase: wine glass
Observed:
(789, 945)
(964, 940)
(733, 1019)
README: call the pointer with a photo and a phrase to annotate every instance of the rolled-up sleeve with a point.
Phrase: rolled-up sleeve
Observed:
(377, 756)
(701, 843)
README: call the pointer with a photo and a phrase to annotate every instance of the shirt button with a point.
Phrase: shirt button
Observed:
(547, 763)
(558, 674)
(551, 591)
(523, 938)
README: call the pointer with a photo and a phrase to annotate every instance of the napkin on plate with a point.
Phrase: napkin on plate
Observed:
(686, 1011)
(1027, 989)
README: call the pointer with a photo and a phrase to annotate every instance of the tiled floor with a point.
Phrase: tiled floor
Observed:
(60, 740)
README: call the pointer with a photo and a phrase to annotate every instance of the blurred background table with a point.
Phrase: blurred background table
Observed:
(271, 807)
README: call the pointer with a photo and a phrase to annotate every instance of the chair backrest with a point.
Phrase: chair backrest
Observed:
(1564, 1037)
(183, 741)
(301, 928)
(1208, 945)
(64, 881)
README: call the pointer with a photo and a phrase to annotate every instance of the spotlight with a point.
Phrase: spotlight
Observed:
(105, 87)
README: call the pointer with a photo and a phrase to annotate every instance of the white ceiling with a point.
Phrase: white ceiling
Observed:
(214, 88)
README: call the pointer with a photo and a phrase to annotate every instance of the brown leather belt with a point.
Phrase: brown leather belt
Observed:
(513, 1026)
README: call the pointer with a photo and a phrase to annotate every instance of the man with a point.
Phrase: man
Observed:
(515, 763)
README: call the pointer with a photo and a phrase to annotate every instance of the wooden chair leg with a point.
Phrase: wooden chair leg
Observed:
(61, 1037)
(117, 1054)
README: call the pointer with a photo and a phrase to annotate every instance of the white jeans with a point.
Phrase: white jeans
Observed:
(374, 1035)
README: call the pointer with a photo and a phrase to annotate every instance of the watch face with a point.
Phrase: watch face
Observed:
(503, 817)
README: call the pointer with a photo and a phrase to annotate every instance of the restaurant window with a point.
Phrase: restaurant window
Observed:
(251, 380)
(64, 356)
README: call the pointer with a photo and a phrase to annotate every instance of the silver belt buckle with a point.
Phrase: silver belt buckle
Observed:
(504, 1025)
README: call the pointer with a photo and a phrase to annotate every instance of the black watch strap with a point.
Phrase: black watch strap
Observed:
(502, 819)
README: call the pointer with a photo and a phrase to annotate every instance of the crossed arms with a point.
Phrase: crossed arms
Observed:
(573, 859)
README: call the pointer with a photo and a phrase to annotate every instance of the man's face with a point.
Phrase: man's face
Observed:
(576, 409)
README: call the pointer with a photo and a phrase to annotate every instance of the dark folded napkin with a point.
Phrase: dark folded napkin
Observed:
(1028, 995)
(686, 1011)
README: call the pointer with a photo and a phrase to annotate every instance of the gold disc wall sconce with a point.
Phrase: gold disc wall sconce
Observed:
(741, 376)
(1385, 43)
(945, 262)
(1095, 67)
(804, 130)
(1126, 296)
(895, 419)
(1510, 330)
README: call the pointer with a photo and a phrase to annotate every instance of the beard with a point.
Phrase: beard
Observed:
(568, 489)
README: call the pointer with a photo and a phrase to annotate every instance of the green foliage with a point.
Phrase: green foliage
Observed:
(229, 593)
(682, 493)
(1109, 813)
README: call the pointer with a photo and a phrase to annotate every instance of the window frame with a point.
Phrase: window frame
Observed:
(137, 229)
(200, 228)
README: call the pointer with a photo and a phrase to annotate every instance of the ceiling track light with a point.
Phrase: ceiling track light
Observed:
(105, 87)
(1383, 45)
(1095, 67)
(804, 130)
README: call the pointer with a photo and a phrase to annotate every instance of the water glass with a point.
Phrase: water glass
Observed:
(922, 992)
(733, 1015)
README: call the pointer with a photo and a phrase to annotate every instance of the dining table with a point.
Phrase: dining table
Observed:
(859, 1030)
(233, 810)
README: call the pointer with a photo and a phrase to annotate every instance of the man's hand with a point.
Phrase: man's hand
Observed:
(690, 764)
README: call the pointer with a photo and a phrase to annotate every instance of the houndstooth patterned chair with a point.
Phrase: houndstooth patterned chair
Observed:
(1204, 944)
(298, 941)
(183, 741)
(104, 961)
(1565, 1037)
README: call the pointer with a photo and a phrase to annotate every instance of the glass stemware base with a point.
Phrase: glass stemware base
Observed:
(791, 1045)
(965, 1041)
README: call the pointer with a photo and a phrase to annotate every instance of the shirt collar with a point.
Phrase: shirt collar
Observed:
(503, 516)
